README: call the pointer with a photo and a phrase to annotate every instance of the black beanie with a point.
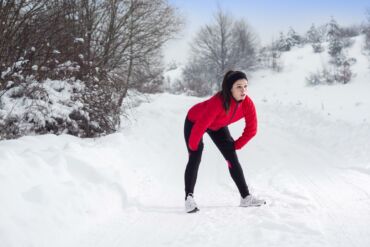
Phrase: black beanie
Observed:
(233, 77)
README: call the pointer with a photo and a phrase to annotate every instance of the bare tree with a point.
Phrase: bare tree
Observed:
(16, 30)
(149, 27)
(243, 50)
(100, 48)
(219, 46)
(367, 30)
(211, 46)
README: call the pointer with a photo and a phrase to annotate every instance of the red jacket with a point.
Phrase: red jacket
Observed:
(210, 114)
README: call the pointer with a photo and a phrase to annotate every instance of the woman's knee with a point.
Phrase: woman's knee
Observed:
(197, 154)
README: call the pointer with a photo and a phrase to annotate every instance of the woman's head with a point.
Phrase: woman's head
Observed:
(234, 85)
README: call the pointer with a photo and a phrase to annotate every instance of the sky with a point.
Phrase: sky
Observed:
(267, 18)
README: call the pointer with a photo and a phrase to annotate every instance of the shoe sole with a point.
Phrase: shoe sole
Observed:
(193, 211)
(255, 205)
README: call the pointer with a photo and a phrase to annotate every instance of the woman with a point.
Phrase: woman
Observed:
(213, 116)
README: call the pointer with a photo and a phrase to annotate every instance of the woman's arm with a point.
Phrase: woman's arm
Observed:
(250, 129)
(200, 126)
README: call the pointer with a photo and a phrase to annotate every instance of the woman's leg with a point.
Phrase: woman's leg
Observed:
(225, 143)
(195, 157)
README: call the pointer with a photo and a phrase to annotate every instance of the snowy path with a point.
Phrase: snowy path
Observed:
(126, 189)
(316, 170)
(313, 200)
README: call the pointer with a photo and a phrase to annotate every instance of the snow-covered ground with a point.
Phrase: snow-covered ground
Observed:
(310, 160)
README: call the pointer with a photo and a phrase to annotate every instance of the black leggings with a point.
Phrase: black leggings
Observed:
(225, 143)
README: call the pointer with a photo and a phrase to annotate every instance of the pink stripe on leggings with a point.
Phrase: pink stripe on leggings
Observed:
(229, 164)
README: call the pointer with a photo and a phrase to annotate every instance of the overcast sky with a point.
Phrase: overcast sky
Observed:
(266, 17)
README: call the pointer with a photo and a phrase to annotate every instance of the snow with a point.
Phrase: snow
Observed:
(55, 101)
(310, 160)
(79, 40)
(348, 102)
(172, 75)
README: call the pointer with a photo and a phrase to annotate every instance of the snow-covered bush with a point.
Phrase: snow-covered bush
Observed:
(338, 38)
(339, 62)
(285, 43)
(314, 37)
(366, 31)
(293, 38)
(343, 71)
(367, 41)
(351, 31)
(70, 97)
(338, 73)
(317, 47)
(348, 42)
(282, 44)
(320, 77)
(270, 57)
(56, 106)
(34, 107)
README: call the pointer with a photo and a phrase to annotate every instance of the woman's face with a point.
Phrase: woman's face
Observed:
(239, 89)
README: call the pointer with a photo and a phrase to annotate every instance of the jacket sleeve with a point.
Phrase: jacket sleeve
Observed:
(200, 126)
(250, 128)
